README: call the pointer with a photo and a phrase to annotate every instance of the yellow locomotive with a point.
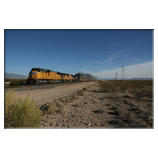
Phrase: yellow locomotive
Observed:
(38, 75)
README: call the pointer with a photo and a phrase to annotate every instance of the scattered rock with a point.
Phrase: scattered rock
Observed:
(98, 111)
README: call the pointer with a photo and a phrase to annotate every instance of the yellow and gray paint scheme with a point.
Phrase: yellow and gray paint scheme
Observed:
(39, 75)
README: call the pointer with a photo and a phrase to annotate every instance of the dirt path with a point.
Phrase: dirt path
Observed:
(44, 96)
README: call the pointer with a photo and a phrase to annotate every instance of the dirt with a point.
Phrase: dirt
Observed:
(44, 96)
(91, 108)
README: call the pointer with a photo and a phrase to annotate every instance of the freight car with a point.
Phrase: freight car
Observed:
(82, 78)
(39, 75)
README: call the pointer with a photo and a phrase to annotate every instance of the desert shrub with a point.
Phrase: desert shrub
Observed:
(137, 87)
(20, 112)
(82, 93)
(14, 83)
(52, 108)
(140, 93)
(107, 86)
(67, 99)
(84, 89)
(59, 103)
(74, 97)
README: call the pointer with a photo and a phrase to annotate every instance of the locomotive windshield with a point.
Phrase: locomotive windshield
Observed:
(39, 69)
(36, 69)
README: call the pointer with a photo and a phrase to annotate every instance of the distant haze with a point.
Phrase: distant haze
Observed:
(144, 70)
(15, 76)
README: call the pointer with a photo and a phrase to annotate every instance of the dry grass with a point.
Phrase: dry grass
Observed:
(144, 92)
(52, 108)
(140, 89)
(20, 112)
(107, 86)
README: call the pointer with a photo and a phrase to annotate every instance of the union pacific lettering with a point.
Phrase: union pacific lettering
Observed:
(53, 74)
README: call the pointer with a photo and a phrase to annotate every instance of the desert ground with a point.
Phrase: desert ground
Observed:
(89, 107)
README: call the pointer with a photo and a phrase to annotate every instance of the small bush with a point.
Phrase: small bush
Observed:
(15, 83)
(84, 89)
(52, 108)
(67, 100)
(59, 103)
(20, 112)
(74, 96)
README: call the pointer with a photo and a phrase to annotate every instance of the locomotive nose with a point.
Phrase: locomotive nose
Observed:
(34, 74)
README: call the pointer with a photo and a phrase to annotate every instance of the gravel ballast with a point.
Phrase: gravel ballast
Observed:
(36, 87)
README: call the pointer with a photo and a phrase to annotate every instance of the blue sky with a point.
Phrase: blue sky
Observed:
(99, 52)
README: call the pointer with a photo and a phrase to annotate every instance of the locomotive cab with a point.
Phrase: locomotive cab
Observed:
(34, 73)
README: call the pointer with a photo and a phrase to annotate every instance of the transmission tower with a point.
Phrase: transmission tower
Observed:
(123, 69)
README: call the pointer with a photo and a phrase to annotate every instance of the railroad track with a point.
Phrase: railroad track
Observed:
(35, 87)
(26, 85)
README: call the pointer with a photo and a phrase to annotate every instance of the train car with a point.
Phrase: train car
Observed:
(39, 75)
(68, 78)
(81, 78)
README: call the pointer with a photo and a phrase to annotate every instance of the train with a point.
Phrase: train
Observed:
(41, 76)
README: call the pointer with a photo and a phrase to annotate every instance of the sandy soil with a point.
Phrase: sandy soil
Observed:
(44, 96)
(94, 109)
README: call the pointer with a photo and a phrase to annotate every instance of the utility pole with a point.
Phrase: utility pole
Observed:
(123, 69)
